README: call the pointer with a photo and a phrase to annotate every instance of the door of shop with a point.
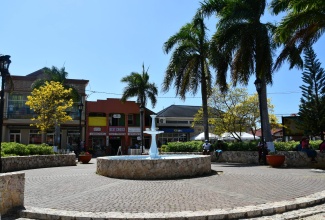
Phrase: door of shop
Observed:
(98, 145)
(114, 143)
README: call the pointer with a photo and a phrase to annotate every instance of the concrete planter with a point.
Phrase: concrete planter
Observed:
(17, 163)
(12, 187)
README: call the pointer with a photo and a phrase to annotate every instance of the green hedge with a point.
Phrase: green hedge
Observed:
(17, 149)
(191, 146)
(196, 146)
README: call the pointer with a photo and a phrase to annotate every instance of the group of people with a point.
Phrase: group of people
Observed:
(207, 147)
(304, 146)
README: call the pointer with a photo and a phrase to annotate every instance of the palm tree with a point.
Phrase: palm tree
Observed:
(140, 87)
(188, 67)
(303, 25)
(57, 75)
(244, 44)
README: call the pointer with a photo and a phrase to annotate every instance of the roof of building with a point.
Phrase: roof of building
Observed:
(179, 111)
(37, 73)
(40, 73)
(273, 131)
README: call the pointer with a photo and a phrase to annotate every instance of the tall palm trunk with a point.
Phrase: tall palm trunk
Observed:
(265, 114)
(204, 102)
(205, 116)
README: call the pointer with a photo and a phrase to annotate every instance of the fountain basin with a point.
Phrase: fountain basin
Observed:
(146, 168)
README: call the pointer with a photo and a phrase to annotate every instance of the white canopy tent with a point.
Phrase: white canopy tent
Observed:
(200, 137)
(243, 135)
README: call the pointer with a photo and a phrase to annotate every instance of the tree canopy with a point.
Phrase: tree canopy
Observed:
(234, 112)
(302, 26)
(58, 75)
(188, 68)
(50, 103)
(312, 102)
(138, 85)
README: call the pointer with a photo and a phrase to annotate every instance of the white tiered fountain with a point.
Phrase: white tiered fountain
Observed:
(154, 166)
(153, 151)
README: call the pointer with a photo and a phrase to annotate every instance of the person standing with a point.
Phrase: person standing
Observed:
(262, 152)
(206, 148)
(322, 147)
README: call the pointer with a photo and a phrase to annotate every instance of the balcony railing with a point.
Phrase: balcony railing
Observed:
(17, 115)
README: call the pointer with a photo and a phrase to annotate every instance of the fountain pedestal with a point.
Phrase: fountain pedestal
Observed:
(153, 151)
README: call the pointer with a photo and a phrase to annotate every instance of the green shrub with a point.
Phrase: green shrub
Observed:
(17, 149)
(13, 148)
(196, 146)
(191, 146)
(42, 149)
(291, 145)
(315, 144)
(286, 146)
(163, 148)
(242, 146)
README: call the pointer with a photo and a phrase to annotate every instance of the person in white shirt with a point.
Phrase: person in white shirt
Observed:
(206, 148)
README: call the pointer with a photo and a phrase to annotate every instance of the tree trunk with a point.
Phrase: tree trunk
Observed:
(204, 103)
(142, 127)
(57, 136)
(267, 134)
(44, 134)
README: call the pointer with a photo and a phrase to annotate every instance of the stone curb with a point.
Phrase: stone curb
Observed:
(240, 212)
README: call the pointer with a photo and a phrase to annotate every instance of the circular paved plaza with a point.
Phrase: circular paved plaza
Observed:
(79, 191)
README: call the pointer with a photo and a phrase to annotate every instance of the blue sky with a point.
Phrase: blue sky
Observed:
(105, 40)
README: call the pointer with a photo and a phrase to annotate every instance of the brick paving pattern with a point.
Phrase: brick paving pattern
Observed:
(80, 189)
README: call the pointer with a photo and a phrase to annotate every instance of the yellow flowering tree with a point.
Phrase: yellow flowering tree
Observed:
(50, 103)
(235, 111)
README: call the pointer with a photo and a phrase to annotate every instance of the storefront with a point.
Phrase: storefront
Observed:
(117, 139)
(174, 135)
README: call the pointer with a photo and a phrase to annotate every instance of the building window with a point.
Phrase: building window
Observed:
(35, 137)
(50, 139)
(15, 136)
(164, 138)
(130, 119)
(72, 139)
(116, 119)
(16, 106)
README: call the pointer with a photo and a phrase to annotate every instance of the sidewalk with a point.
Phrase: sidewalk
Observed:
(237, 191)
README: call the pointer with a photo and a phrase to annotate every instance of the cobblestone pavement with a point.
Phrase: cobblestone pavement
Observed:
(79, 189)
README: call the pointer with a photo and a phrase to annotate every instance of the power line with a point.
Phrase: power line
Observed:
(193, 97)
(111, 93)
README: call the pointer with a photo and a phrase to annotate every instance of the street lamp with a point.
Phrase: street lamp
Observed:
(141, 126)
(80, 107)
(4, 66)
(258, 85)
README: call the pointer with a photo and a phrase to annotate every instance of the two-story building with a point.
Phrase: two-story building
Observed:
(112, 123)
(17, 115)
(105, 124)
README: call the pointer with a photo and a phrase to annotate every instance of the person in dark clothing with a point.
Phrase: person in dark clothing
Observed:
(322, 147)
(262, 152)
(305, 147)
